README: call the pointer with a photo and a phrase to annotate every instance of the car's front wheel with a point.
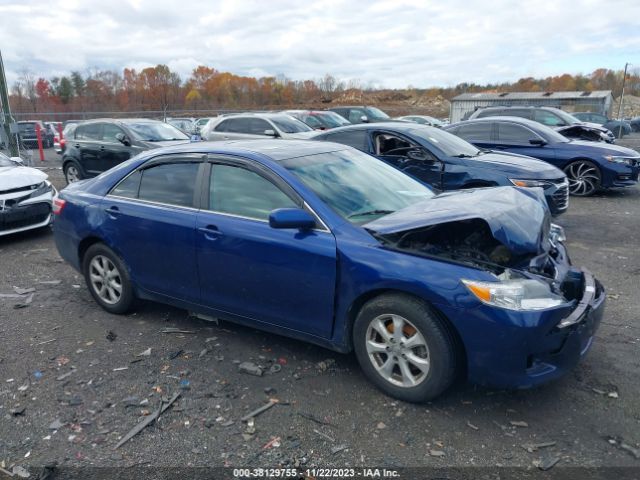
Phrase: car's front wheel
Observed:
(108, 279)
(584, 178)
(405, 348)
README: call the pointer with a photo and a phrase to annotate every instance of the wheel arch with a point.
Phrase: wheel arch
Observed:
(365, 297)
(84, 245)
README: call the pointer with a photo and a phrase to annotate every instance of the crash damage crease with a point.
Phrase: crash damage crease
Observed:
(505, 231)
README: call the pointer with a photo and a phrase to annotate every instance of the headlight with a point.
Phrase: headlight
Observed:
(515, 294)
(529, 183)
(614, 159)
(556, 232)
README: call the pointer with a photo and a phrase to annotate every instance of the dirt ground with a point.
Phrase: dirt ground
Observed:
(75, 379)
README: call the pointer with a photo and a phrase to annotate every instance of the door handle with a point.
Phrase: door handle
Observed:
(211, 232)
(77, 145)
(113, 212)
(101, 148)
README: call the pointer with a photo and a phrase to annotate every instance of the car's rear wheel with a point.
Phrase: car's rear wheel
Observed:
(72, 173)
(584, 178)
(405, 348)
(108, 279)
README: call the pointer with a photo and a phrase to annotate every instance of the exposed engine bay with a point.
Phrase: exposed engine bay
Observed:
(471, 242)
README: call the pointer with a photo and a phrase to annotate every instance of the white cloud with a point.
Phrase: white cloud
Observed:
(391, 43)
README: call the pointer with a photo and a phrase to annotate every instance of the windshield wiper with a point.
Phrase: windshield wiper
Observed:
(371, 212)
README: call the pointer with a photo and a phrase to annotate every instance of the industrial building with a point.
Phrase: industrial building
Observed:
(598, 101)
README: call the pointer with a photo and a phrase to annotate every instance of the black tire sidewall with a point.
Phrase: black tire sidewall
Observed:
(442, 347)
(127, 296)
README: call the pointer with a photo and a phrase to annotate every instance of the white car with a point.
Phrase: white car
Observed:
(250, 126)
(26, 197)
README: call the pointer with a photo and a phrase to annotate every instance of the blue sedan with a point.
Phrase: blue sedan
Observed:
(315, 241)
(447, 162)
(589, 166)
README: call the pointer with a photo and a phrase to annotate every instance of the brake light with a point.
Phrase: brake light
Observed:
(63, 142)
(58, 205)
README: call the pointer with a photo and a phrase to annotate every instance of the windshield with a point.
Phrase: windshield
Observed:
(156, 132)
(288, 124)
(374, 113)
(357, 186)
(324, 120)
(6, 161)
(567, 117)
(446, 142)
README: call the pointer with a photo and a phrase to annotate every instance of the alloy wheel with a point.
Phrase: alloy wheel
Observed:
(105, 279)
(397, 350)
(72, 174)
(584, 178)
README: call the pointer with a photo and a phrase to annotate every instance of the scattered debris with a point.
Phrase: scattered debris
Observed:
(546, 463)
(50, 282)
(534, 447)
(175, 354)
(25, 303)
(381, 425)
(62, 360)
(23, 291)
(621, 444)
(56, 425)
(46, 341)
(613, 296)
(273, 443)
(612, 394)
(339, 448)
(275, 368)
(184, 384)
(119, 369)
(21, 472)
(259, 410)
(331, 439)
(313, 418)
(18, 411)
(146, 353)
(148, 420)
(518, 423)
(111, 335)
(176, 330)
(65, 375)
(471, 425)
(203, 352)
(250, 368)
(37, 374)
(325, 365)
(436, 453)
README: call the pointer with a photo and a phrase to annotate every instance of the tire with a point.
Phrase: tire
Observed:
(105, 273)
(584, 178)
(418, 373)
(72, 173)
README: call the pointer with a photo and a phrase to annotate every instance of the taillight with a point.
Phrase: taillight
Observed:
(58, 205)
(63, 142)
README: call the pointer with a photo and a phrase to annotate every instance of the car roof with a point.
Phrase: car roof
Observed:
(276, 150)
(504, 118)
(256, 114)
(404, 127)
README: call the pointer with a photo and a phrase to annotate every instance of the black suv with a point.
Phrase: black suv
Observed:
(98, 145)
(564, 123)
(28, 135)
(362, 114)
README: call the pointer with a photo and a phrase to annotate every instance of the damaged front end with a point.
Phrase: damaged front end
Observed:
(540, 310)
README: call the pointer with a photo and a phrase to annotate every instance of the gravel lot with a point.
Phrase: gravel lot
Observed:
(72, 383)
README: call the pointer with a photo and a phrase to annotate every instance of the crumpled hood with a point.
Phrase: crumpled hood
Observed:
(517, 217)
(19, 176)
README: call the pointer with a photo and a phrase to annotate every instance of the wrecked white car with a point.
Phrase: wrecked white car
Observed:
(26, 197)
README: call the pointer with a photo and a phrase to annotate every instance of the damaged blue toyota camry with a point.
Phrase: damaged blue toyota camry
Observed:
(316, 241)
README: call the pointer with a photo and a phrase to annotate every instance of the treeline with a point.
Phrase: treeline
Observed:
(159, 89)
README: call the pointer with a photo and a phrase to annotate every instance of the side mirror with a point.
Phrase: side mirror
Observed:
(291, 218)
(419, 156)
(364, 119)
(270, 133)
(18, 160)
(537, 142)
(122, 138)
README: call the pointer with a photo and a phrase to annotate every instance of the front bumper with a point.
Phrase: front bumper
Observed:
(28, 212)
(511, 349)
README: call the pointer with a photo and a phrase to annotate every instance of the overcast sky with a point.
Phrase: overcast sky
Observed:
(392, 43)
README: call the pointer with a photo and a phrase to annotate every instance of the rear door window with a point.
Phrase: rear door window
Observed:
(234, 125)
(91, 131)
(170, 183)
(476, 132)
